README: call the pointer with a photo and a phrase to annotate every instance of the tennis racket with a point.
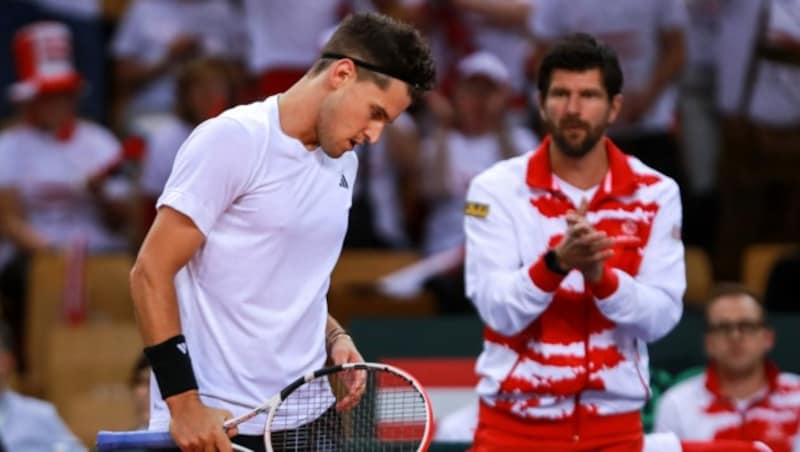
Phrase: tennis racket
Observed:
(348, 407)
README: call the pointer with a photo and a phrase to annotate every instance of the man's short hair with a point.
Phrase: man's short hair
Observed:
(581, 52)
(390, 47)
(733, 289)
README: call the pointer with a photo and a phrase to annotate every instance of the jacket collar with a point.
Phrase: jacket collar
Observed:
(713, 385)
(620, 180)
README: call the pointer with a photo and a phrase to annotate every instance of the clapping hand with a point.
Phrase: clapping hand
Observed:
(584, 247)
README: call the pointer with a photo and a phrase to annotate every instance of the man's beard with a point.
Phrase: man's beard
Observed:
(593, 136)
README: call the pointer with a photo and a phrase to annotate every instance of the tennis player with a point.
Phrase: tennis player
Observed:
(230, 283)
(574, 262)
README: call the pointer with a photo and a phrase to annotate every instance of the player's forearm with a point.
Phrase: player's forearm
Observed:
(332, 326)
(155, 302)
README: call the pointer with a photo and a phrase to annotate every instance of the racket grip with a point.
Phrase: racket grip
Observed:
(112, 441)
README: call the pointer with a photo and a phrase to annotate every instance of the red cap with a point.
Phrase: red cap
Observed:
(43, 57)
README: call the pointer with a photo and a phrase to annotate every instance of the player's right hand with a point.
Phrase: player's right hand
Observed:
(583, 247)
(196, 427)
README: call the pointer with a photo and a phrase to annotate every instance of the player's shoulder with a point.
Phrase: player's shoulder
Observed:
(254, 117)
(503, 176)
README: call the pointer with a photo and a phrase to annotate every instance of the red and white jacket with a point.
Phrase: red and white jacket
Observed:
(695, 410)
(552, 343)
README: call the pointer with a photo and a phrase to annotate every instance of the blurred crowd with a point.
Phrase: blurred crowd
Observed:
(100, 94)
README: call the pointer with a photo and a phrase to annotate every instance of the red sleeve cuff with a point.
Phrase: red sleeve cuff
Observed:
(543, 277)
(607, 284)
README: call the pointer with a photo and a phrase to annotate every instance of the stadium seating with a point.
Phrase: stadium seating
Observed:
(757, 262)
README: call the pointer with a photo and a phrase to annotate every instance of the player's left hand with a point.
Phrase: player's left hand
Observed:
(343, 351)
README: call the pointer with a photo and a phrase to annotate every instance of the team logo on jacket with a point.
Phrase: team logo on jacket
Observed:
(476, 209)
(629, 228)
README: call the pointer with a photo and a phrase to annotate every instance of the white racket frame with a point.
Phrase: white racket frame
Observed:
(272, 404)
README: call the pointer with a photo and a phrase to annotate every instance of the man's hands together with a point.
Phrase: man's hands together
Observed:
(584, 248)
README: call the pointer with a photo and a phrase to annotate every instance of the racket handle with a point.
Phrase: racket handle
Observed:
(112, 441)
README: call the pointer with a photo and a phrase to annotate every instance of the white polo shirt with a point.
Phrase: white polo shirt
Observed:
(252, 298)
(51, 177)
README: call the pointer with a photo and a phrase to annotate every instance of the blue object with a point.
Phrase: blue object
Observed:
(143, 439)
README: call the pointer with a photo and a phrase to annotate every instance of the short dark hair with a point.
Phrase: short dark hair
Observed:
(393, 47)
(733, 289)
(581, 52)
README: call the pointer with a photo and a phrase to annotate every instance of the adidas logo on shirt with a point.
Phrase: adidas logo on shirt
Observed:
(183, 348)
(343, 182)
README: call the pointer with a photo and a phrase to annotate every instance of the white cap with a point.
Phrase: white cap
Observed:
(485, 64)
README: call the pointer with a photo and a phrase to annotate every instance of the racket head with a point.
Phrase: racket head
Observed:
(392, 412)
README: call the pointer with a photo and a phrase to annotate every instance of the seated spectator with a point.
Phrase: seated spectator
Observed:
(477, 136)
(154, 40)
(205, 88)
(58, 181)
(741, 395)
(28, 424)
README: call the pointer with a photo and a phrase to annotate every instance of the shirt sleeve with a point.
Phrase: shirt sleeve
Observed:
(651, 303)
(211, 170)
(507, 293)
(9, 174)
(104, 148)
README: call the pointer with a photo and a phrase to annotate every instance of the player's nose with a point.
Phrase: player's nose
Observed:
(374, 131)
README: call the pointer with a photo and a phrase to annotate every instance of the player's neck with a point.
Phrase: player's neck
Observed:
(742, 385)
(584, 172)
(298, 108)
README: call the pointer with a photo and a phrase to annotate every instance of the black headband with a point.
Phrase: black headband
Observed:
(370, 67)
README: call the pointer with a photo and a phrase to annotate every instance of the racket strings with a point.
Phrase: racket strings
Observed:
(390, 415)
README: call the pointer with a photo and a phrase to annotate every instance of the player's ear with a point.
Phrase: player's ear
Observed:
(616, 106)
(540, 105)
(341, 72)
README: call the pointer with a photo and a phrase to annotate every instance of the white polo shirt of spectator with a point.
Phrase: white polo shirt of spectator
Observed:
(51, 175)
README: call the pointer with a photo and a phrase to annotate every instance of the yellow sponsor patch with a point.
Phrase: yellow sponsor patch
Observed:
(476, 209)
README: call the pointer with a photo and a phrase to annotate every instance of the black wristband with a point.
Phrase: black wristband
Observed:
(551, 262)
(172, 366)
